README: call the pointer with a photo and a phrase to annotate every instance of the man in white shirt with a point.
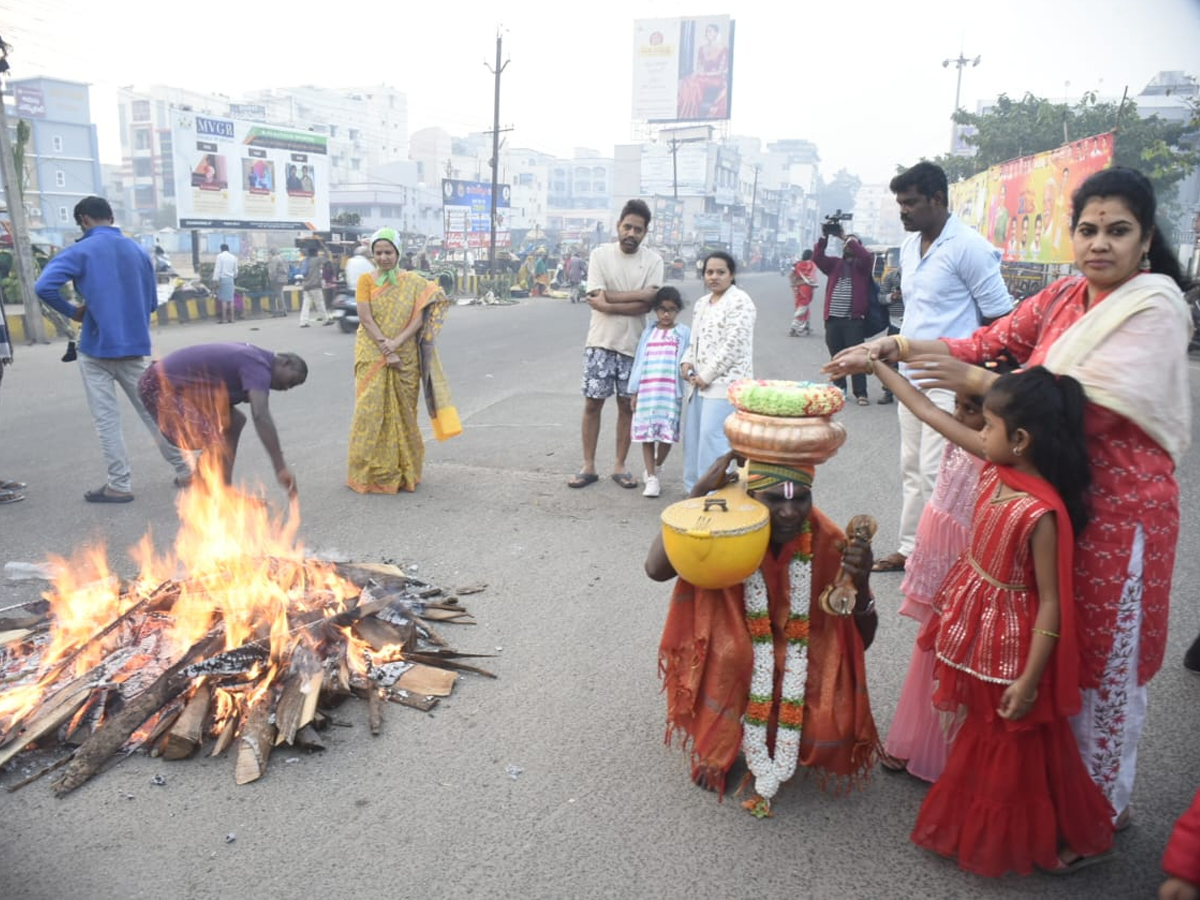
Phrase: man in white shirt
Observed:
(623, 278)
(356, 266)
(224, 271)
(952, 285)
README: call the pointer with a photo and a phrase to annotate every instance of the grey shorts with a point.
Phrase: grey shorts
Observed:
(605, 372)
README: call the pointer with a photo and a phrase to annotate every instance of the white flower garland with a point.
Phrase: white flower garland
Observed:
(770, 773)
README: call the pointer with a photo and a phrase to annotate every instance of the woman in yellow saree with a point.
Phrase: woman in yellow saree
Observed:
(400, 314)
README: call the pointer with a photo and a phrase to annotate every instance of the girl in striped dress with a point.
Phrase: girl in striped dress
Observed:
(658, 386)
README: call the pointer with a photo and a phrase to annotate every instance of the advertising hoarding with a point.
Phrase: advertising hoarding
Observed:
(683, 69)
(666, 222)
(467, 214)
(1023, 206)
(660, 174)
(231, 173)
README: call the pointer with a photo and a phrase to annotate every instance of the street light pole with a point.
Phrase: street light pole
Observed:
(961, 62)
(753, 206)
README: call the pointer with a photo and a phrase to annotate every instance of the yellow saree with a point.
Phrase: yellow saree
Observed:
(387, 453)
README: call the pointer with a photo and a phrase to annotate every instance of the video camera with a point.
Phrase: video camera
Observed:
(833, 222)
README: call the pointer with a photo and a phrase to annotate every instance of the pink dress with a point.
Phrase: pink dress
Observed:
(917, 734)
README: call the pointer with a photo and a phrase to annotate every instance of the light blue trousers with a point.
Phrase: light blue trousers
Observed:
(100, 380)
(704, 436)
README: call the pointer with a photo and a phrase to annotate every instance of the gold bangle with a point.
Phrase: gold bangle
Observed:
(870, 365)
(1049, 634)
(902, 347)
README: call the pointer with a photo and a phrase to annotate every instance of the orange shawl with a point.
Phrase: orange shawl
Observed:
(706, 659)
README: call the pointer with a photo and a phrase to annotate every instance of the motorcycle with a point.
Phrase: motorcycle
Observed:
(345, 312)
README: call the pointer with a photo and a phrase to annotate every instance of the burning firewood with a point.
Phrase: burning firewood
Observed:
(217, 644)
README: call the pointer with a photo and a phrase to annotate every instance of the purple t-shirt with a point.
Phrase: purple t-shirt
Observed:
(241, 368)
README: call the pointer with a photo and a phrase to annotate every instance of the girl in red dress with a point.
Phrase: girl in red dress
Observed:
(1015, 793)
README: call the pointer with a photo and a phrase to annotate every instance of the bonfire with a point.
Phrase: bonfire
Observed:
(235, 637)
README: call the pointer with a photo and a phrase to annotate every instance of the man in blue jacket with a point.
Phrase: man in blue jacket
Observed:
(114, 278)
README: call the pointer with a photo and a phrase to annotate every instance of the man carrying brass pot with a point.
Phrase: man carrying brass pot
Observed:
(762, 664)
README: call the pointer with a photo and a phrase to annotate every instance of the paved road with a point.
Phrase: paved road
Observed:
(601, 806)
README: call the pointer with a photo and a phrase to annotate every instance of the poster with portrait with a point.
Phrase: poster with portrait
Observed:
(228, 174)
(1023, 206)
(683, 69)
(467, 214)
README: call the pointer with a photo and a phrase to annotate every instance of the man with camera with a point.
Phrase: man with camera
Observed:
(848, 266)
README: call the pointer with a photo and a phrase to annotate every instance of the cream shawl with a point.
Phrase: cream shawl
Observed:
(1130, 354)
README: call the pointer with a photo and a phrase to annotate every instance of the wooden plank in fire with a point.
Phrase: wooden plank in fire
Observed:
(258, 737)
(188, 731)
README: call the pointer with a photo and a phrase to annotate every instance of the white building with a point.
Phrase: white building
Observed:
(876, 216)
(367, 129)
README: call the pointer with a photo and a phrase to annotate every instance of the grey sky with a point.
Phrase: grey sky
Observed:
(864, 81)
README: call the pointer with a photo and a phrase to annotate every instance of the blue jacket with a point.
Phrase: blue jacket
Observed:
(115, 278)
(635, 373)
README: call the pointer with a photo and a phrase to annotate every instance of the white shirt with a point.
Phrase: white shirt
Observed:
(226, 266)
(953, 287)
(356, 267)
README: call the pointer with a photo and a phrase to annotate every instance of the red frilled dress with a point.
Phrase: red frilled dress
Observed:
(1013, 791)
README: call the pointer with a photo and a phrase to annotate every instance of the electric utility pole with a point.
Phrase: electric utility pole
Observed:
(22, 247)
(497, 71)
(753, 205)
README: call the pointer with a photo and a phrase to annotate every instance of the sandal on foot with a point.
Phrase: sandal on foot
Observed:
(625, 480)
(583, 479)
(103, 495)
(6, 485)
(893, 562)
(1124, 820)
(889, 763)
(11, 497)
(1079, 862)
(863, 401)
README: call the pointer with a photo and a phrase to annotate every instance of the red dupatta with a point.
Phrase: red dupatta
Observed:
(1066, 652)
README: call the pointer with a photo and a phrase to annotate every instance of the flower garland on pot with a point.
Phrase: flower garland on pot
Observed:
(771, 772)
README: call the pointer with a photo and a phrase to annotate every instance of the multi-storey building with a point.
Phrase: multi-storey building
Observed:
(61, 154)
(367, 129)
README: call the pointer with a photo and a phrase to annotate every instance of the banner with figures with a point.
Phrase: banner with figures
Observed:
(1023, 206)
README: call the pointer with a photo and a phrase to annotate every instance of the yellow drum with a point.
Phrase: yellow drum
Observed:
(718, 540)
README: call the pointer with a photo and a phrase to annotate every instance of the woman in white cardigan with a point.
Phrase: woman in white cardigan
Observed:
(720, 352)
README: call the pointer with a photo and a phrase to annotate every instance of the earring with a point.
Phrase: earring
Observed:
(1016, 451)
(1144, 265)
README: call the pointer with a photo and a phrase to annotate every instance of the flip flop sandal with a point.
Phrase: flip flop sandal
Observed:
(583, 479)
(625, 480)
(892, 563)
(6, 485)
(1124, 820)
(1080, 862)
(101, 495)
(11, 497)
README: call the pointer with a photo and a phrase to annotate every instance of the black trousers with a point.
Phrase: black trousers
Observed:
(842, 333)
(892, 330)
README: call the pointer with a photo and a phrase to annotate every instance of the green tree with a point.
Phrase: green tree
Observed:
(347, 219)
(1166, 152)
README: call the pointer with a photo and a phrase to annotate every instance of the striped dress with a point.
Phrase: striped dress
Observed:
(656, 418)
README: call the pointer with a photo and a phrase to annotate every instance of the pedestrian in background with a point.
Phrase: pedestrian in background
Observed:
(804, 280)
(277, 271)
(314, 292)
(847, 293)
(224, 272)
(116, 277)
(890, 289)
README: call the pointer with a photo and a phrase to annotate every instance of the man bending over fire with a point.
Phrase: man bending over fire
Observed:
(193, 394)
